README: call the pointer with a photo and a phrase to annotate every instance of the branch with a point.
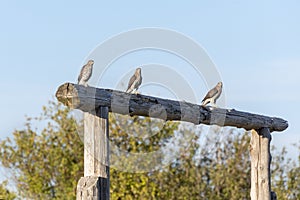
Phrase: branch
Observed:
(89, 99)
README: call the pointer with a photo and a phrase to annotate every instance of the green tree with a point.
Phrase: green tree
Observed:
(220, 171)
(45, 164)
(5, 193)
(126, 185)
(285, 175)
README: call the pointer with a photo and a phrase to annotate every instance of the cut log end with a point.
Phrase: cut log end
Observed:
(67, 94)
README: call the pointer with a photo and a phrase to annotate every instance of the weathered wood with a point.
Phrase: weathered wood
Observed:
(91, 188)
(254, 154)
(87, 188)
(96, 143)
(260, 165)
(95, 184)
(89, 98)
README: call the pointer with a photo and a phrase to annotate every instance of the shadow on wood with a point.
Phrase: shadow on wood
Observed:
(92, 187)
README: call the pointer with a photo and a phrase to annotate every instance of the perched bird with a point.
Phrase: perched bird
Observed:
(213, 95)
(85, 73)
(135, 81)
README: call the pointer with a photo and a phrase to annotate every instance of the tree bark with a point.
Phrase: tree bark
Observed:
(88, 99)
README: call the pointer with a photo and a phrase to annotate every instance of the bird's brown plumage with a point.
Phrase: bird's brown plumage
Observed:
(135, 81)
(214, 94)
(86, 73)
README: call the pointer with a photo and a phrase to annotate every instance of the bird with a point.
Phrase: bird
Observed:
(213, 95)
(85, 73)
(135, 81)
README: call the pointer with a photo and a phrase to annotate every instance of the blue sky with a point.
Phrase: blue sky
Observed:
(254, 44)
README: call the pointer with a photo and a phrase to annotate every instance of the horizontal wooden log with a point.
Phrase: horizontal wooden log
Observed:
(89, 99)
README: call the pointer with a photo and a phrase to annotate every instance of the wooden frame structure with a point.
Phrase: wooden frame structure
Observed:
(97, 102)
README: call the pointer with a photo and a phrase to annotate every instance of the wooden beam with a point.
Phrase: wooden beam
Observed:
(260, 165)
(95, 183)
(88, 99)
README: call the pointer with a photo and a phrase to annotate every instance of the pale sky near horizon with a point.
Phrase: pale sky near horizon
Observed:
(254, 44)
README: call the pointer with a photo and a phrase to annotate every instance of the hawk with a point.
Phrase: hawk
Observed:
(135, 81)
(213, 95)
(85, 73)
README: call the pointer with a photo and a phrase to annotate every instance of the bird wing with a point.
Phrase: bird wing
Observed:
(80, 74)
(131, 81)
(85, 73)
(140, 81)
(210, 94)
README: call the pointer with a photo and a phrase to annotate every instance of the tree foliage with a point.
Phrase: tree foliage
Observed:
(47, 164)
(286, 175)
(5, 193)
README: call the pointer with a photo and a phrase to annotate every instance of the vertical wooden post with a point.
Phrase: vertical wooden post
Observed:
(95, 183)
(260, 165)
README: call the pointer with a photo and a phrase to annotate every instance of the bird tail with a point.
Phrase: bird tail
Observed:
(205, 102)
(129, 90)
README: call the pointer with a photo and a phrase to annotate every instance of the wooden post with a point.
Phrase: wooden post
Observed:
(95, 183)
(260, 165)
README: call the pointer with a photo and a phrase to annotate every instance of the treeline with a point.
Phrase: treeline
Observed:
(46, 164)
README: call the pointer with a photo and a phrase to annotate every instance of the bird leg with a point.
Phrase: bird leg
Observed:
(207, 101)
